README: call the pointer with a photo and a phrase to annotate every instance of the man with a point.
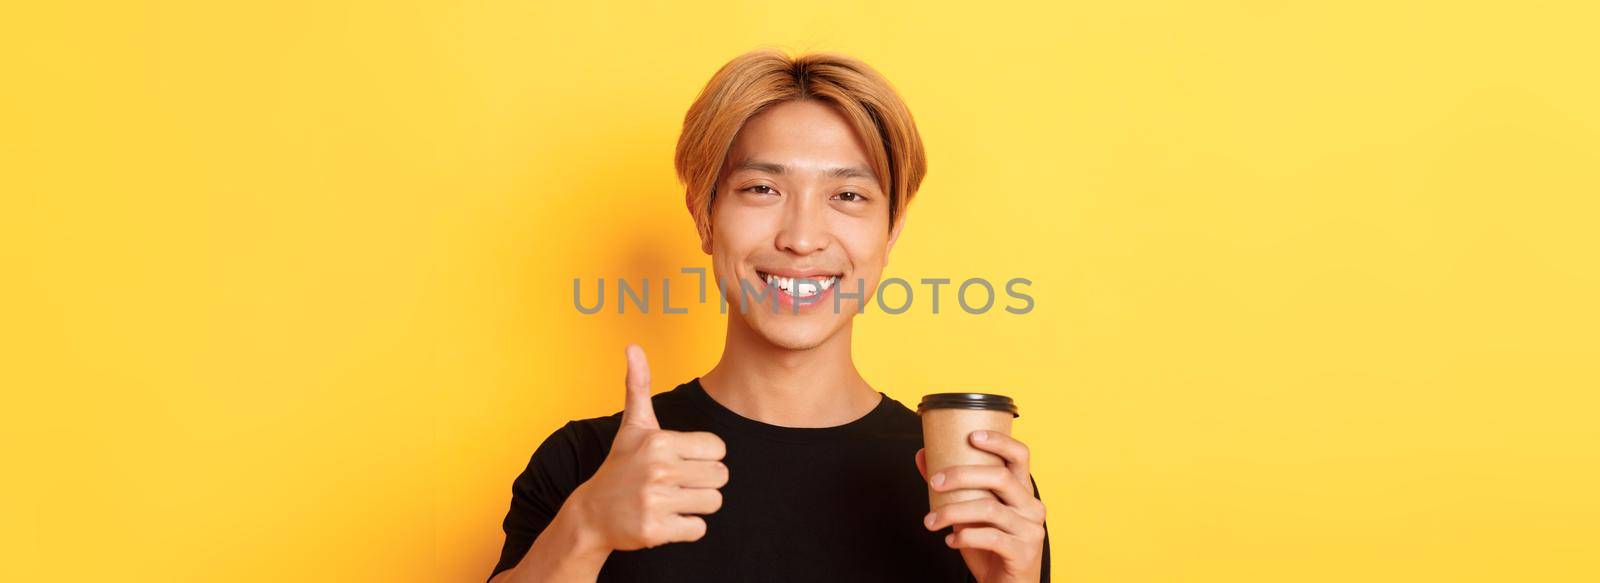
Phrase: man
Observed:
(781, 463)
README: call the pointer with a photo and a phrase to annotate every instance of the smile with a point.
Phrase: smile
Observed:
(800, 286)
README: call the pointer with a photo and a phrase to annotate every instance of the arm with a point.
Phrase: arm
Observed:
(652, 489)
(567, 550)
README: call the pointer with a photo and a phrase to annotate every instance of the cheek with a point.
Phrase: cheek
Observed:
(732, 246)
(735, 237)
(740, 228)
(865, 243)
(725, 233)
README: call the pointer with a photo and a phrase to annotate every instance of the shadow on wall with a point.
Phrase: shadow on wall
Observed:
(617, 213)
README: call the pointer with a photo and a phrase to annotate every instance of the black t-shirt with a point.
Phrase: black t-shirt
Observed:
(841, 503)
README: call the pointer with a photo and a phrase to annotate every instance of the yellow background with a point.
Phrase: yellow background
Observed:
(286, 285)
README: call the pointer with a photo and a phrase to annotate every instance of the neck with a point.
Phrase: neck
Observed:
(812, 387)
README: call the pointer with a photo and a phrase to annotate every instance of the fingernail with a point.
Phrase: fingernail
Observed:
(937, 480)
(930, 519)
(950, 540)
(980, 436)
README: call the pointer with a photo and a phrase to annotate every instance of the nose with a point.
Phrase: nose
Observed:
(804, 229)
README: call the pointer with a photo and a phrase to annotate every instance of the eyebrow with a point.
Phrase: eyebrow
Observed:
(776, 168)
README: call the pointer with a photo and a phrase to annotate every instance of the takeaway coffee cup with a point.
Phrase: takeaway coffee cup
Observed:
(948, 419)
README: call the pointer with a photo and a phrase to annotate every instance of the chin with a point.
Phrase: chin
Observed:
(795, 335)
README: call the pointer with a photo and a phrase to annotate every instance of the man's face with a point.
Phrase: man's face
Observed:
(799, 216)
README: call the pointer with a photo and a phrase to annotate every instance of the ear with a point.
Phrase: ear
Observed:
(894, 234)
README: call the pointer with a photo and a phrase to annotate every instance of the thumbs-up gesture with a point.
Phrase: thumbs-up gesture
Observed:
(654, 482)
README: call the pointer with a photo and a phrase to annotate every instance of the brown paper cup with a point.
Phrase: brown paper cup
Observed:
(948, 420)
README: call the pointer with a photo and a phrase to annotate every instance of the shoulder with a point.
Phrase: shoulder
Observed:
(893, 420)
(569, 455)
(900, 415)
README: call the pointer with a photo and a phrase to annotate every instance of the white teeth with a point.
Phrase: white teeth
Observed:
(803, 287)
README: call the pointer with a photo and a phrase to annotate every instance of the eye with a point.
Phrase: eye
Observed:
(760, 189)
(850, 197)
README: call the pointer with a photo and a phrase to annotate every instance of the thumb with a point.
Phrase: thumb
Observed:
(636, 409)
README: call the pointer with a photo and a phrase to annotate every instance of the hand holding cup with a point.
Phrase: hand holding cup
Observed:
(980, 485)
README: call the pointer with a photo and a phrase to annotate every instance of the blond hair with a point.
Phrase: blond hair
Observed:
(755, 81)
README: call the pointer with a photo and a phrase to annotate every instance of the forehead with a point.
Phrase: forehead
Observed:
(808, 135)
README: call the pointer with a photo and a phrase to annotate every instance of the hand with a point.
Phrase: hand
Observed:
(653, 483)
(1001, 540)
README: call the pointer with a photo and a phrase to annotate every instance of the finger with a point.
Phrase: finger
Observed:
(1009, 548)
(636, 408)
(922, 463)
(697, 445)
(986, 511)
(693, 501)
(993, 478)
(701, 474)
(1015, 453)
(681, 528)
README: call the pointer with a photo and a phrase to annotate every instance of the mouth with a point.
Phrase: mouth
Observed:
(800, 286)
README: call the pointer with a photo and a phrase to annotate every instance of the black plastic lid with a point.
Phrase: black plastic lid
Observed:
(983, 401)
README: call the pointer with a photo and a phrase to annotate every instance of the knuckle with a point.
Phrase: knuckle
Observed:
(716, 501)
(657, 473)
(992, 507)
(657, 441)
